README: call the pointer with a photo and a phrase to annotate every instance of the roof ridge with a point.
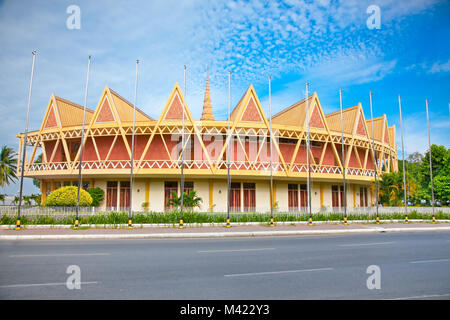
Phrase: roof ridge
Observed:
(343, 110)
(291, 106)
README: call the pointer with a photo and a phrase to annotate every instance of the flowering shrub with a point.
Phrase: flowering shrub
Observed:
(67, 197)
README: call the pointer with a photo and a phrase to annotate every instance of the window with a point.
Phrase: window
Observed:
(249, 197)
(235, 196)
(188, 186)
(292, 197)
(303, 195)
(169, 187)
(363, 197)
(337, 196)
(125, 194)
(111, 194)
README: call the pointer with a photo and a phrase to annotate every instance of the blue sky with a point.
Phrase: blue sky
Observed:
(326, 43)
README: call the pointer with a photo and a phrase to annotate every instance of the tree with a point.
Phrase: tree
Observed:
(97, 195)
(2, 198)
(67, 197)
(439, 154)
(190, 200)
(442, 188)
(8, 166)
(27, 200)
(391, 188)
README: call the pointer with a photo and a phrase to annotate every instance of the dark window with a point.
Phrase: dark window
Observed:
(188, 186)
(235, 196)
(125, 194)
(249, 197)
(169, 187)
(292, 197)
(111, 194)
(363, 197)
(337, 196)
(303, 196)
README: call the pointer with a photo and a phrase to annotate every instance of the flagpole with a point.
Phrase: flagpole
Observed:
(343, 159)
(431, 163)
(80, 161)
(403, 156)
(271, 169)
(374, 157)
(228, 151)
(307, 158)
(182, 155)
(24, 147)
(130, 214)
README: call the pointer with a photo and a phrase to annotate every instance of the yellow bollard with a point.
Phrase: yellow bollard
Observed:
(406, 219)
(130, 225)
(228, 223)
(271, 223)
(345, 221)
(378, 220)
(434, 219)
(181, 225)
(17, 224)
(310, 222)
(76, 225)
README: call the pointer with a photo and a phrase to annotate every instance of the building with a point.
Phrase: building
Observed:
(157, 155)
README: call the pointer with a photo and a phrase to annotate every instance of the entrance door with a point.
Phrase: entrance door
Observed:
(124, 195)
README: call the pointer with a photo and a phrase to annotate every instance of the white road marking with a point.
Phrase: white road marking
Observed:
(365, 244)
(422, 297)
(275, 272)
(431, 261)
(234, 250)
(42, 284)
(57, 255)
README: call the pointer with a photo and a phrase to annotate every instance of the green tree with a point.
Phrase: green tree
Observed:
(439, 156)
(442, 188)
(97, 195)
(67, 197)
(2, 198)
(391, 188)
(27, 200)
(190, 200)
(8, 166)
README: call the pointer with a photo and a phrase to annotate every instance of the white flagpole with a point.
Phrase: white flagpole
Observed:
(403, 156)
(308, 158)
(271, 169)
(228, 151)
(182, 155)
(374, 158)
(80, 161)
(24, 147)
(431, 163)
(343, 158)
(130, 214)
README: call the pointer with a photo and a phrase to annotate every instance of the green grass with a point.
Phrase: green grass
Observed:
(117, 218)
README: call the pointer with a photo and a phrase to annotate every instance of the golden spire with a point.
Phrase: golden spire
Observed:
(207, 108)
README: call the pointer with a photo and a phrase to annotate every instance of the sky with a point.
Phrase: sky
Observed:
(326, 43)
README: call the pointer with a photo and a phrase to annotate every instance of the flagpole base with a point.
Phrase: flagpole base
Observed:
(434, 219)
(378, 220)
(180, 226)
(345, 221)
(76, 225)
(271, 223)
(17, 224)
(406, 219)
(310, 222)
(228, 224)
(130, 224)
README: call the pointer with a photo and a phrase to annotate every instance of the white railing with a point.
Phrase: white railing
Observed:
(198, 164)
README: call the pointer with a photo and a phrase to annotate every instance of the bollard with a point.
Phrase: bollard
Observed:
(228, 223)
(17, 224)
(271, 223)
(180, 225)
(130, 225)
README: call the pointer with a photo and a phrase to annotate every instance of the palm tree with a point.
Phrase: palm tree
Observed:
(190, 200)
(8, 166)
(2, 198)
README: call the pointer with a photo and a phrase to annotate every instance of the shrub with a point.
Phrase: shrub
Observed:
(67, 197)
(97, 195)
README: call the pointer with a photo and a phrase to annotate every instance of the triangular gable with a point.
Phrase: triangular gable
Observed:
(315, 119)
(293, 115)
(105, 114)
(51, 122)
(173, 110)
(360, 129)
(251, 112)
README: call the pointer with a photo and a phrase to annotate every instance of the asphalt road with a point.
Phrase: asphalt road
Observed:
(412, 265)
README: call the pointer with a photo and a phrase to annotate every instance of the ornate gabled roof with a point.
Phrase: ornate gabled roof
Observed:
(295, 114)
(207, 107)
(378, 123)
(125, 109)
(349, 116)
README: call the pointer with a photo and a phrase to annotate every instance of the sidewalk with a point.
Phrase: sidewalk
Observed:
(207, 231)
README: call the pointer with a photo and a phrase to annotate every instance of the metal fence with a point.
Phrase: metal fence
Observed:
(62, 212)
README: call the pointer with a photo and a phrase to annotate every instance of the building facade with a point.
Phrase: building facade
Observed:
(208, 149)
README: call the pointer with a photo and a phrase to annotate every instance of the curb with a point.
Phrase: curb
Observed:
(213, 224)
(214, 234)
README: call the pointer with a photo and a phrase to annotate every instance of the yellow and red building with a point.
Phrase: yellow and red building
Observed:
(157, 154)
